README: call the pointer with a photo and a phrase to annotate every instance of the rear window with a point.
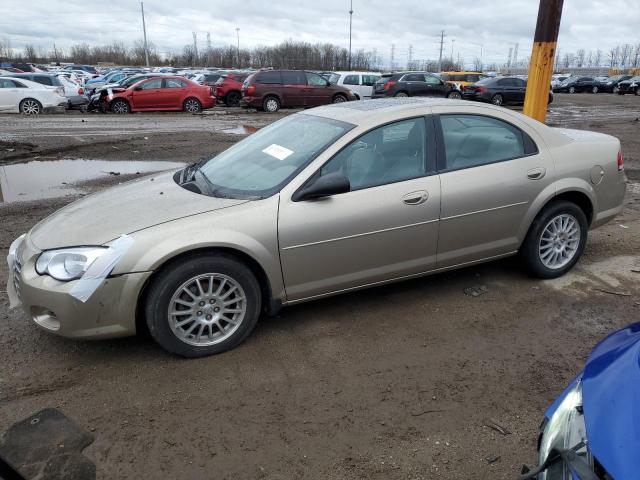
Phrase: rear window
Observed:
(268, 77)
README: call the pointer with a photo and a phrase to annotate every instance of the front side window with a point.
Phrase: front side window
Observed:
(315, 80)
(432, 80)
(262, 163)
(151, 84)
(44, 80)
(351, 80)
(387, 154)
(474, 140)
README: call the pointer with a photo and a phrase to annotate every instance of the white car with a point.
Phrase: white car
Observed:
(25, 96)
(360, 83)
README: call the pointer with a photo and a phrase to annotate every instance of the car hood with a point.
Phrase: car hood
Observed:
(611, 402)
(126, 208)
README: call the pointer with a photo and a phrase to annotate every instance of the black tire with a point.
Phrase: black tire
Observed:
(192, 105)
(497, 99)
(271, 104)
(530, 250)
(232, 99)
(454, 94)
(339, 98)
(169, 281)
(572, 89)
(30, 106)
(120, 106)
(401, 94)
(595, 89)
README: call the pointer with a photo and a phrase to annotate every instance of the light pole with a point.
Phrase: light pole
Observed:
(238, 35)
(350, 25)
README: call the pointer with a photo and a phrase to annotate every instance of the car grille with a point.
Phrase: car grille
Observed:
(17, 270)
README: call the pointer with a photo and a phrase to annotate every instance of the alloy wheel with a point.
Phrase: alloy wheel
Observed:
(120, 107)
(207, 309)
(271, 105)
(559, 241)
(455, 95)
(192, 106)
(30, 107)
(339, 99)
(497, 100)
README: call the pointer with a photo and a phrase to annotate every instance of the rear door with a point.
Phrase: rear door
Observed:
(352, 82)
(149, 94)
(174, 92)
(435, 86)
(295, 92)
(491, 171)
(8, 95)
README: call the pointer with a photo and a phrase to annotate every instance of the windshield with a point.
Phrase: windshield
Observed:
(634, 79)
(262, 163)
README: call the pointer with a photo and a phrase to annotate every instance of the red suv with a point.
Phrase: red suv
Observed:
(272, 89)
(228, 88)
(162, 93)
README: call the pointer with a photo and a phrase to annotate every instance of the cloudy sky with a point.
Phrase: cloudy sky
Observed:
(496, 25)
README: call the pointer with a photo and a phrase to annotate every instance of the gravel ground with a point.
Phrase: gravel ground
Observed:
(396, 382)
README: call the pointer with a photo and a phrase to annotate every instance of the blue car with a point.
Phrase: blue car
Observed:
(592, 430)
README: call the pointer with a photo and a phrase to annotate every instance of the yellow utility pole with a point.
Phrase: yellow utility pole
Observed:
(542, 59)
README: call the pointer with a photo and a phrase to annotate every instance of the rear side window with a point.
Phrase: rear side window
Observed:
(475, 140)
(294, 78)
(351, 80)
(174, 83)
(7, 83)
(151, 84)
(43, 79)
(431, 80)
(413, 77)
(268, 77)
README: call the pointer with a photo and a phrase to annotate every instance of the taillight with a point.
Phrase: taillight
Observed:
(81, 91)
(620, 161)
(389, 84)
(251, 89)
(481, 89)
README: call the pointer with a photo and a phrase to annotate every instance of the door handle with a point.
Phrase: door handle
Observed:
(536, 173)
(415, 198)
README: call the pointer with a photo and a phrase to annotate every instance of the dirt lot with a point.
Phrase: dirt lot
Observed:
(397, 382)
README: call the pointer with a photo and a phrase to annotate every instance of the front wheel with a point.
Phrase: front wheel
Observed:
(339, 98)
(203, 305)
(192, 105)
(556, 240)
(271, 104)
(455, 95)
(572, 90)
(120, 107)
(30, 106)
(497, 99)
(595, 90)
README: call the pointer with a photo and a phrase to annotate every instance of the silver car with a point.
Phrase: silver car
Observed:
(324, 201)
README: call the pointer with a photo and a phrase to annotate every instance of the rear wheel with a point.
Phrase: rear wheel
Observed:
(232, 99)
(637, 92)
(556, 240)
(339, 98)
(192, 105)
(454, 94)
(30, 106)
(120, 106)
(271, 104)
(595, 89)
(401, 94)
(497, 99)
(204, 305)
(572, 89)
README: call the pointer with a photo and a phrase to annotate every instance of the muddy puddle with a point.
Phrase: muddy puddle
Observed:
(241, 130)
(49, 179)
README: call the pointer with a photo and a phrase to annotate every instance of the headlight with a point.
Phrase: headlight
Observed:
(565, 430)
(68, 263)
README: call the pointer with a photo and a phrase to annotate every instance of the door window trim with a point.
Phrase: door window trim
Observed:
(529, 145)
(430, 150)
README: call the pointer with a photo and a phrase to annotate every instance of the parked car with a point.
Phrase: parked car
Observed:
(413, 84)
(31, 98)
(360, 83)
(209, 78)
(162, 93)
(578, 84)
(321, 202)
(611, 84)
(271, 90)
(74, 93)
(590, 429)
(85, 68)
(99, 99)
(112, 77)
(462, 79)
(556, 80)
(631, 85)
(498, 90)
(228, 88)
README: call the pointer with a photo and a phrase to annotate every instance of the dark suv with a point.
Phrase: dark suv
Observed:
(631, 86)
(413, 84)
(270, 90)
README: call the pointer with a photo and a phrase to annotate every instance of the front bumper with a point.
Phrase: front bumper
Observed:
(251, 102)
(109, 312)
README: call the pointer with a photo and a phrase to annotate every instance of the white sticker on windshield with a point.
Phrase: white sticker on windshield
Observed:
(277, 151)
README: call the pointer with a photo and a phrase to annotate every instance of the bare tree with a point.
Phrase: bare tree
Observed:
(580, 58)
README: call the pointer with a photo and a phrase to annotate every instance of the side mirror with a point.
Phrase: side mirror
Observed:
(324, 186)
(137, 89)
(328, 83)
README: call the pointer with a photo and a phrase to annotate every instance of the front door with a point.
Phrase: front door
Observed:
(319, 91)
(386, 227)
(491, 172)
(435, 86)
(148, 96)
